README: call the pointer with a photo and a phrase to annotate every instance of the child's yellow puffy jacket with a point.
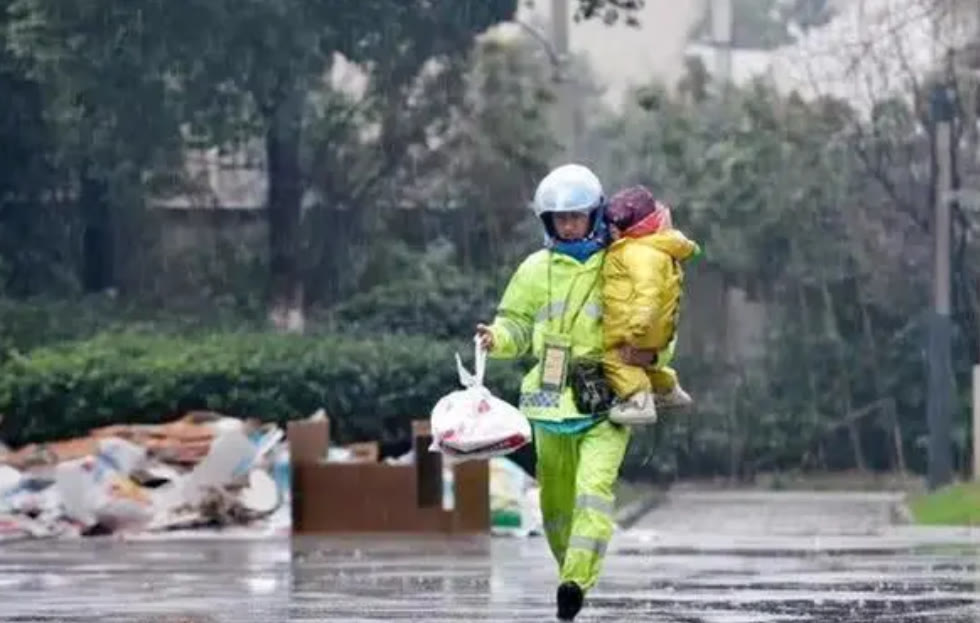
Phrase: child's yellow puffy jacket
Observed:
(642, 283)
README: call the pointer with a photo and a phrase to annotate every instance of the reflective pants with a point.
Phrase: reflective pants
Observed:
(577, 474)
(627, 380)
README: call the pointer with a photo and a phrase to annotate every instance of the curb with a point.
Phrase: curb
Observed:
(627, 517)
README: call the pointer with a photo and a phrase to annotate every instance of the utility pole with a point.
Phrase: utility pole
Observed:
(567, 106)
(722, 36)
(939, 404)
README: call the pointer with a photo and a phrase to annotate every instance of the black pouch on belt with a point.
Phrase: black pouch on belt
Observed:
(590, 389)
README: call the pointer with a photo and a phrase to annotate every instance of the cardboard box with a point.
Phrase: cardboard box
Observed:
(365, 497)
(365, 452)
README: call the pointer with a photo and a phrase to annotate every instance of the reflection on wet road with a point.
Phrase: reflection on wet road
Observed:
(705, 558)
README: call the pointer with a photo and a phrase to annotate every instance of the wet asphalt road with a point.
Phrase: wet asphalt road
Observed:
(704, 558)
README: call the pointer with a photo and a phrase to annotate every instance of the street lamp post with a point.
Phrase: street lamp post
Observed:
(722, 35)
(939, 403)
(567, 105)
(556, 46)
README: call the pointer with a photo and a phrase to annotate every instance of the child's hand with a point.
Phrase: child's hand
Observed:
(485, 336)
(637, 357)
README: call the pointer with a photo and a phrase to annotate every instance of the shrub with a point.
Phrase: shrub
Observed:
(372, 388)
(445, 308)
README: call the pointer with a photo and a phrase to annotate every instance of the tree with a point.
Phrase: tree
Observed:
(113, 71)
(272, 57)
(773, 187)
(484, 167)
(103, 69)
(30, 256)
(610, 10)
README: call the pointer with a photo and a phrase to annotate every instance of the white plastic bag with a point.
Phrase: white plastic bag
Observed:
(10, 480)
(97, 489)
(92, 491)
(231, 457)
(121, 455)
(474, 424)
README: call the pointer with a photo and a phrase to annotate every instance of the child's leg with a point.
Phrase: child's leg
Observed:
(664, 381)
(667, 390)
(625, 379)
(632, 385)
(663, 378)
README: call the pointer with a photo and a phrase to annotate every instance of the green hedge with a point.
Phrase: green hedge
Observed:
(371, 388)
(445, 308)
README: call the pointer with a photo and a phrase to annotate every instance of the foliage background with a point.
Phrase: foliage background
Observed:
(394, 211)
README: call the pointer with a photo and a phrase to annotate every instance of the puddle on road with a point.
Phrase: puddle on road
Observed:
(931, 583)
(441, 581)
(952, 610)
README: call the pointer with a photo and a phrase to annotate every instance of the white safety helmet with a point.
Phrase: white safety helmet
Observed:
(568, 188)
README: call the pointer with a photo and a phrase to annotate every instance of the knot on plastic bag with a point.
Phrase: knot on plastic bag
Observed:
(466, 379)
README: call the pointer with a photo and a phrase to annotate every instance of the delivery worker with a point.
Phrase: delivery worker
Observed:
(551, 309)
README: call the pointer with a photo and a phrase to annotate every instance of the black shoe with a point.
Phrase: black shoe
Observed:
(570, 597)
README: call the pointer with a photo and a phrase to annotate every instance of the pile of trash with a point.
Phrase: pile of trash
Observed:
(203, 470)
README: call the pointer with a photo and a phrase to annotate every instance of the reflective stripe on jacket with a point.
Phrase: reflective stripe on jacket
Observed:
(550, 292)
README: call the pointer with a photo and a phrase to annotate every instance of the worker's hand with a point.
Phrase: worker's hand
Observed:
(634, 356)
(485, 337)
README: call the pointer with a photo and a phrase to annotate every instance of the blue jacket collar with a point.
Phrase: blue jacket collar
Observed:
(580, 250)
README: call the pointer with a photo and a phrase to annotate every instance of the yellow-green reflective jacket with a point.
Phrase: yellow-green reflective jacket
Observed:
(530, 309)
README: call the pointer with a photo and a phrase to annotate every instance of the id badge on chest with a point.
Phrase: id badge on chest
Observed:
(554, 362)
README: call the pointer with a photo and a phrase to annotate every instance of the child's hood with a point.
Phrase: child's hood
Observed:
(657, 231)
(672, 242)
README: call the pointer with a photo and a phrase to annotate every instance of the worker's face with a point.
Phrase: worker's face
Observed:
(571, 225)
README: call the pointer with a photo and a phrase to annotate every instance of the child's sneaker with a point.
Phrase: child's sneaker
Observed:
(639, 408)
(676, 398)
